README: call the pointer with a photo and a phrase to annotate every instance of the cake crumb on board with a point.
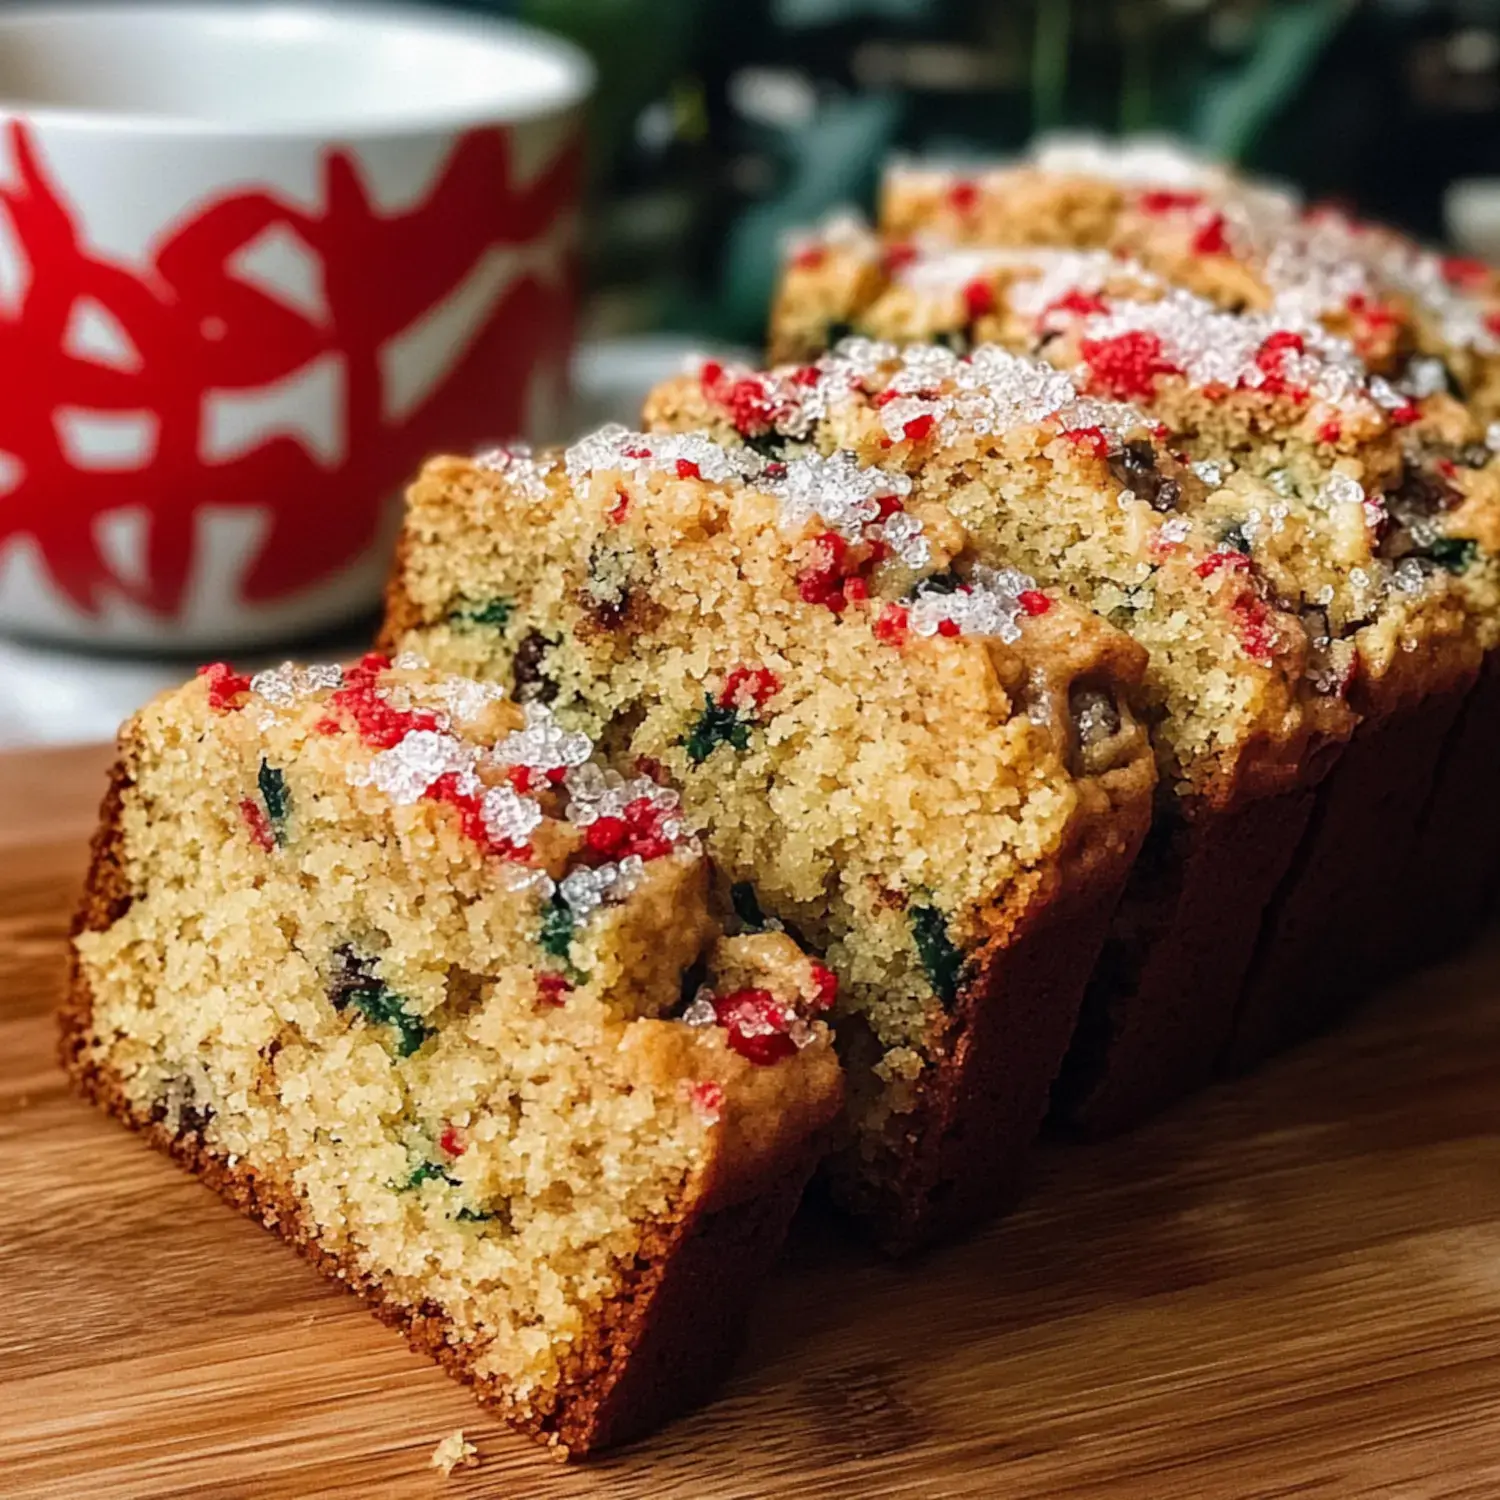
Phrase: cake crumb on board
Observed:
(455, 1452)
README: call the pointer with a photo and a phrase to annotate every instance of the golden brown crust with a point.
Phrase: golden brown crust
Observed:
(657, 1344)
(399, 611)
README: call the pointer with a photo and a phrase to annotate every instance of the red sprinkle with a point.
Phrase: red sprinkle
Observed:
(919, 427)
(1034, 601)
(1211, 238)
(1092, 438)
(1330, 431)
(979, 299)
(749, 688)
(520, 777)
(820, 581)
(224, 686)
(1167, 200)
(898, 255)
(452, 1141)
(963, 195)
(809, 258)
(884, 398)
(1464, 271)
(1127, 366)
(1404, 416)
(756, 1025)
(1257, 633)
(551, 988)
(806, 375)
(856, 590)
(379, 724)
(1079, 303)
(827, 983)
(1447, 468)
(1236, 561)
(258, 824)
(890, 624)
(471, 819)
(707, 1098)
(607, 835)
(618, 510)
(687, 469)
(949, 628)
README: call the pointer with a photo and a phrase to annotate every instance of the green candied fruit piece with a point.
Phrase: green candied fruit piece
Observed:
(558, 926)
(427, 1171)
(381, 1006)
(274, 794)
(1453, 553)
(941, 959)
(718, 724)
(494, 613)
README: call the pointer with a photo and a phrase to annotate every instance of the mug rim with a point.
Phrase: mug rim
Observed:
(573, 88)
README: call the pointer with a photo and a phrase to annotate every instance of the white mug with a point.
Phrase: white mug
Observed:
(256, 263)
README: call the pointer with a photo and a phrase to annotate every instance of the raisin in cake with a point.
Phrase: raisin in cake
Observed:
(398, 968)
(940, 790)
(1022, 462)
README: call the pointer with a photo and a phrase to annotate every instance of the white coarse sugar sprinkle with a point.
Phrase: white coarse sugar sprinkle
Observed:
(409, 661)
(1386, 395)
(1423, 377)
(515, 877)
(465, 699)
(518, 466)
(285, 684)
(988, 605)
(1045, 277)
(903, 534)
(835, 490)
(543, 745)
(1152, 161)
(1209, 471)
(1492, 437)
(1178, 529)
(409, 767)
(585, 890)
(594, 793)
(635, 454)
(1218, 348)
(1409, 577)
(508, 815)
(1341, 489)
(701, 1012)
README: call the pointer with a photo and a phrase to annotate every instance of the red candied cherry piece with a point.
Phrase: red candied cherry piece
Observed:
(1127, 365)
(258, 824)
(1330, 432)
(607, 835)
(890, 624)
(621, 508)
(949, 628)
(756, 1025)
(979, 299)
(1092, 438)
(1211, 239)
(687, 469)
(809, 258)
(827, 986)
(1224, 559)
(1034, 601)
(1079, 303)
(749, 687)
(919, 427)
(224, 686)
(452, 1141)
(1167, 200)
(963, 196)
(551, 988)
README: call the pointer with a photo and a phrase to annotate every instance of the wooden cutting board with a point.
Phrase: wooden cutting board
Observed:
(1290, 1286)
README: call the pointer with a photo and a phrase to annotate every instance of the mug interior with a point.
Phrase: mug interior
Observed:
(314, 68)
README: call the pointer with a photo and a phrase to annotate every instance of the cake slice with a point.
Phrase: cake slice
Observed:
(1246, 709)
(1370, 506)
(1427, 322)
(928, 769)
(403, 972)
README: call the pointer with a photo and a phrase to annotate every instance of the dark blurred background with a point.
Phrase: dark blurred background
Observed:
(721, 124)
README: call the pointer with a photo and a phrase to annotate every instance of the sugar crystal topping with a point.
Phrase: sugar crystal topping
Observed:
(543, 744)
(637, 454)
(519, 466)
(988, 604)
(1212, 347)
(287, 684)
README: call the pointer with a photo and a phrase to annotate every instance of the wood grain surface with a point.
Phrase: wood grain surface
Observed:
(1288, 1287)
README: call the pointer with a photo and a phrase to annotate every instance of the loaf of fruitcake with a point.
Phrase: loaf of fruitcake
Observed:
(927, 768)
(1425, 320)
(400, 969)
(1369, 503)
(1245, 705)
